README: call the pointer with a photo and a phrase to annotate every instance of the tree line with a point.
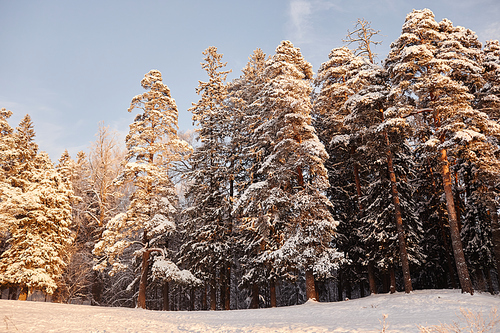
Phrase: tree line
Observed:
(366, 178)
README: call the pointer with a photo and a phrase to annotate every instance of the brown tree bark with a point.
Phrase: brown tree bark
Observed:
(392, 275)
(443, 234)
(371, 278)
(192, 297)
(254, 304)
(272, 292)
(204, 298)
(97, 287)
(310, 285)
(141, 300)
(456, 242)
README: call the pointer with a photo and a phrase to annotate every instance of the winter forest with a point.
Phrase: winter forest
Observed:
(363, 178)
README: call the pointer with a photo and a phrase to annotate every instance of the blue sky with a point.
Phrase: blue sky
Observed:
(71, 64)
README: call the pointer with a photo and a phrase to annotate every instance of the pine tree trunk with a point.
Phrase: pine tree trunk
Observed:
(495, 239)
(222, 294)
(361, 282)
(227, 303)
(456, 242)
(340, 291)
(480, 281)
(392, 275)
(141, 300)
(310, 286)
(405, 265)
(371, 278)
(97, 287)
(272, 292)
(490, 282)
(204, 298)
(12, 293)
(166, 305)
(254, 304)
(443, 234)
(213, 295)
(192, 299)
(448, 257)
(386, 282)
(23, 294)
(348, 289)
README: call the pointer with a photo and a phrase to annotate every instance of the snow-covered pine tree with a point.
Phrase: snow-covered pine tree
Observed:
(474, 143)
(243, 93)
(152, 147)
(476, 225)
(371, 122)
(36, 206)
(7, 143)
(6, 155)
(208, 251)
(75, 281)
(434, 68)
(288, 206)
(489, 96)
(488, 101)
(338, 79)
(438, 269)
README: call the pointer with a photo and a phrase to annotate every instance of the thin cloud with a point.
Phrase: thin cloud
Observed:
(301, 18)
(492, 31)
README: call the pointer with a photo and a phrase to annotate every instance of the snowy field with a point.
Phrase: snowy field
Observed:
(404, 314)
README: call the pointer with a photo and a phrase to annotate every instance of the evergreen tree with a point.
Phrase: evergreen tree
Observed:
(288, 205)
(489, 96)
(6, 157)
(435, 68)
(243, 93)
(152, 147)
(36, 206)
(209, 247)
(338, 79)
(489, 103)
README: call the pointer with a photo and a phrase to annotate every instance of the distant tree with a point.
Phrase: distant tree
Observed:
(152, 146)
(104, 165)
(363, 36)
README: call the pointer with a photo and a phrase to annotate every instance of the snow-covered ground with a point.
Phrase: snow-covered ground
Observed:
(404, 314)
